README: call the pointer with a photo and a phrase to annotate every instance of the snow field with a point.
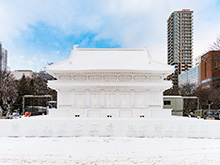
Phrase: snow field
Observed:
(109, 150)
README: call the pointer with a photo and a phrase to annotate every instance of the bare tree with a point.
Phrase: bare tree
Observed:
(214, 96)
(205, 94)
(184, 90)
(202, 94)
(173, 91)
(189, 103)
(187, 89)
(216, 44)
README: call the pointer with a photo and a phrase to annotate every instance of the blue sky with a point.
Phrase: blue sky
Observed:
(36, 33)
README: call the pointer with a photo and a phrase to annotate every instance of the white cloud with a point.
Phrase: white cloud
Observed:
(130, 23)
(133, 23)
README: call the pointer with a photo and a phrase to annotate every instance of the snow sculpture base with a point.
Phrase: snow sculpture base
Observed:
(113, 113)
(46, 126)
(104, 92)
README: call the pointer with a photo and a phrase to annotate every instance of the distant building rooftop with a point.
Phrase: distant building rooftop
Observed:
(19, 73)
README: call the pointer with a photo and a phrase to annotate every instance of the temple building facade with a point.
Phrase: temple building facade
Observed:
(109, 83)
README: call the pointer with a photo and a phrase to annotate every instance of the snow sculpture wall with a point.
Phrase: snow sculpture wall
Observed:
(46, 126)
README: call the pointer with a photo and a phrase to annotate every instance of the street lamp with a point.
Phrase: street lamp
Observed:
(210, 103)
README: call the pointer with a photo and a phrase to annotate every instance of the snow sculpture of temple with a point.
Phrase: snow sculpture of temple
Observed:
(109, 83)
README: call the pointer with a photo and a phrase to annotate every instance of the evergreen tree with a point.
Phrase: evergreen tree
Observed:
(23, 89)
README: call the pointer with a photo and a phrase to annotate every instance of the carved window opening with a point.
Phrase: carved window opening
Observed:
(124, 77)
(80, 77)
(110, 77)
(140, 77)
(77, 115)
(95, 77)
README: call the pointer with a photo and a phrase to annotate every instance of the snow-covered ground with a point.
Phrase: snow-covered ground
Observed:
(109, 150)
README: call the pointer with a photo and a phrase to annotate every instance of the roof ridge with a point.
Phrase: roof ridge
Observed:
(110, 49)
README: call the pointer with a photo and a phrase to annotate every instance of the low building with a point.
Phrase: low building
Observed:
(192, 76)
(197, 60)
(19, 73)
(206, 72)
(210, 69)
(175, 103)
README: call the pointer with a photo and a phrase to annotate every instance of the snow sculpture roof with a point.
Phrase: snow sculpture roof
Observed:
(109, 59)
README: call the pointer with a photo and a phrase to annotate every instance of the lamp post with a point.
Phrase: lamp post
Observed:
(210, 103)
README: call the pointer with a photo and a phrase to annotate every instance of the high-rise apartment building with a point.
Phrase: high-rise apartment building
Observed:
(3, 58)
(179, 42)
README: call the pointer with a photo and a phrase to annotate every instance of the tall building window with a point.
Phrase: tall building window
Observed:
(205, 70)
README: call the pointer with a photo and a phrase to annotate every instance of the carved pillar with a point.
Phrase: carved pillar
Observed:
(73, 98)
(102, 98)
(132, 98)
(161, 97)
(147, 99)
(58, 98)
(117, 103)
(87, 99)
